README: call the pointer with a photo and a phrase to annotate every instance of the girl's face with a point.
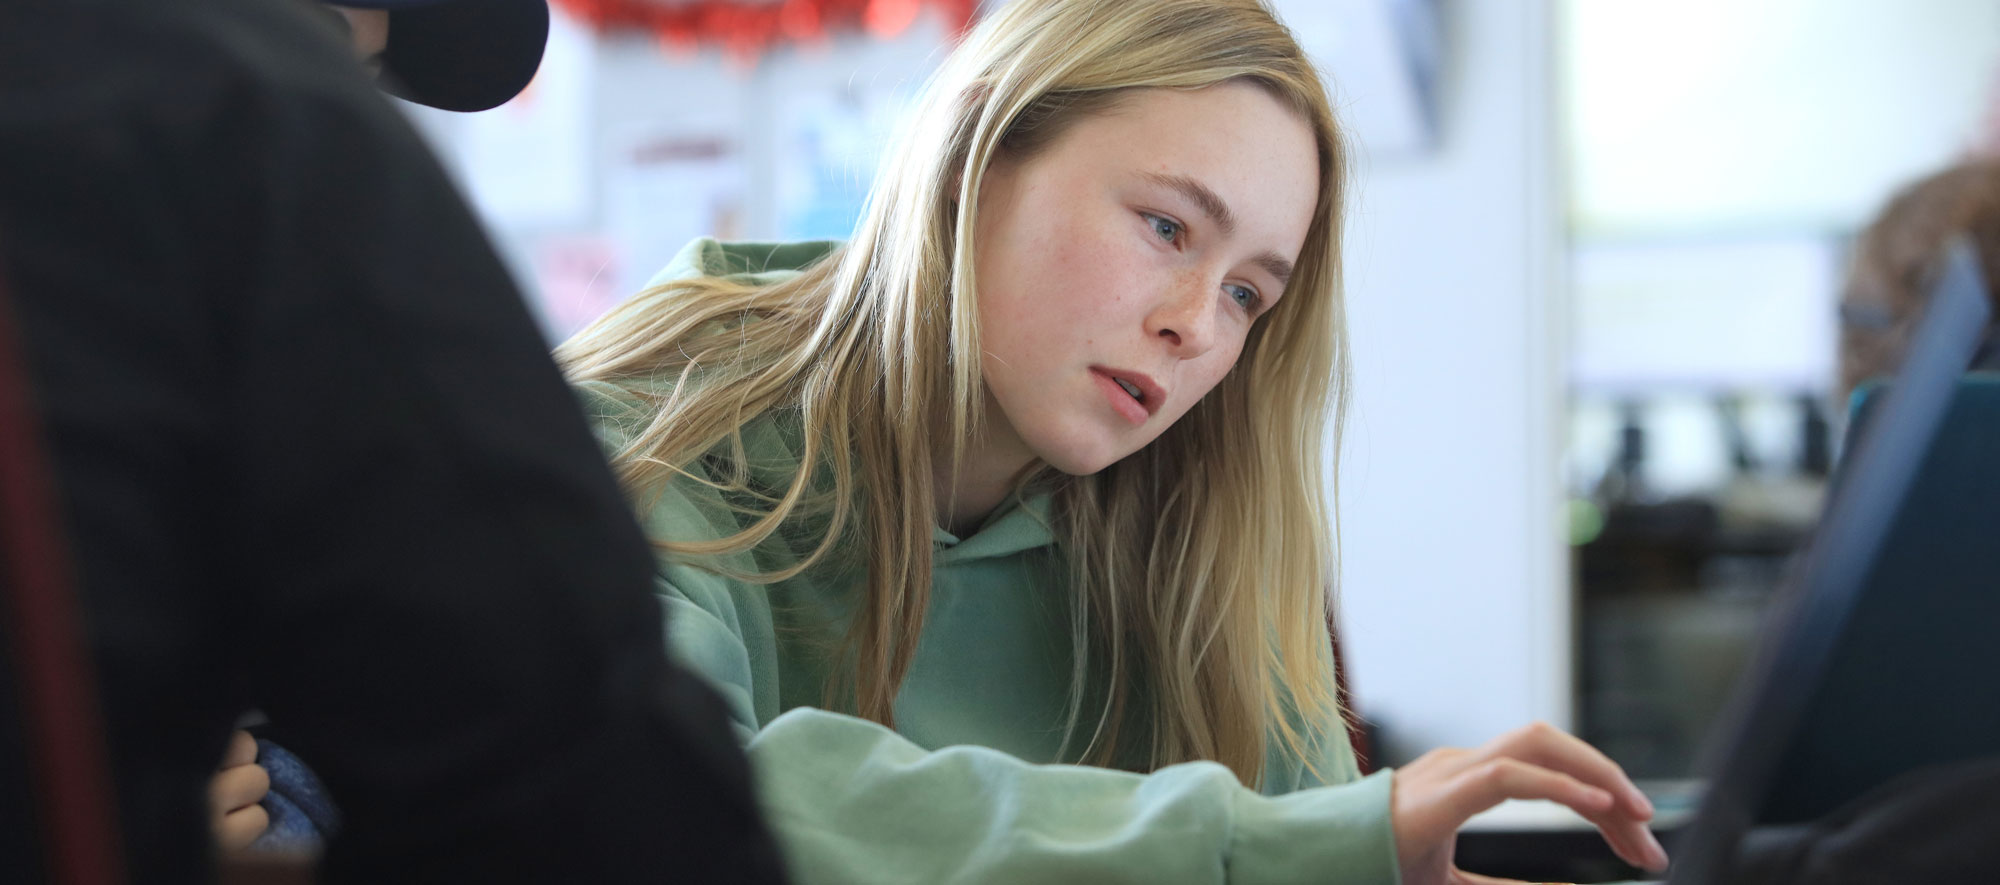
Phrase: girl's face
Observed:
(1120, 268)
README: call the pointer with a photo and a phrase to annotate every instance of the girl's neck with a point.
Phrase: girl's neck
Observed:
(993, 464)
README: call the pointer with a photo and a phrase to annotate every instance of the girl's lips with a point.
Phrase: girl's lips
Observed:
(1131, 409)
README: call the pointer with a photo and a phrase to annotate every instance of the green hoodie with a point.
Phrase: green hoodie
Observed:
(972, 786)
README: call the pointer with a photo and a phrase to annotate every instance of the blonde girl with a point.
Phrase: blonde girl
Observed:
(1001, 527)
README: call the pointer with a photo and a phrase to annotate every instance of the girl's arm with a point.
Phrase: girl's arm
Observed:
(852, 801)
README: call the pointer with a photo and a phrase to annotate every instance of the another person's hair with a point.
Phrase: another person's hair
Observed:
(1897, 259)
(1203, 564)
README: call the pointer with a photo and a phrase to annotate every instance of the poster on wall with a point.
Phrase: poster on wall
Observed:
(668, 183)
(526, 164)
(1381, 63)
(576, 277)
(837, 112)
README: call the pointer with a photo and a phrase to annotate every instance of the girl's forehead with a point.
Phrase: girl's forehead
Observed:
(1234, 154)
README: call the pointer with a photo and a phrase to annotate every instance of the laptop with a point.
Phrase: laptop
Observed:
(1872, 602)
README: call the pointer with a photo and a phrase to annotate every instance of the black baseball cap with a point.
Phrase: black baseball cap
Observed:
(460, 55)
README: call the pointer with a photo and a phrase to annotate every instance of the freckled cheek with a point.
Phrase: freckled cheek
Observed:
(1067, 265)
(1098, 250)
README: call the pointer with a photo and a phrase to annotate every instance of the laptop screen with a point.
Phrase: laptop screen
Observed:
(1762, 732)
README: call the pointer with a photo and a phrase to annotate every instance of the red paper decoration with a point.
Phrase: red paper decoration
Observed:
(745, 28)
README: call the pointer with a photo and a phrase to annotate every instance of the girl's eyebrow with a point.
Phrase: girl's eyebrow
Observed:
(1211, 204)
(1208, 201)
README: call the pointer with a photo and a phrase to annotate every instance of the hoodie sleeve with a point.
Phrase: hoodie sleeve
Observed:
(851, 801)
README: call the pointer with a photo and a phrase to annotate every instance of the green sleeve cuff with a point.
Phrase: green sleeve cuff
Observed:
(1327, 834)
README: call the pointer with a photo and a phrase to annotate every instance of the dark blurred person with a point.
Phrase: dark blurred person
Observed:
(1897, 258)
(311, 457)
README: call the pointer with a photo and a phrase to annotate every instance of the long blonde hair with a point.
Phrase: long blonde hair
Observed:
(1202, 565)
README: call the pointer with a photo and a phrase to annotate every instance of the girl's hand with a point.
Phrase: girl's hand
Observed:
(1439, 792)
(239, 784)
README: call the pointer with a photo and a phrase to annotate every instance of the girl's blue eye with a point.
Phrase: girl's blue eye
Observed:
(1244, 296)
(1164, 228)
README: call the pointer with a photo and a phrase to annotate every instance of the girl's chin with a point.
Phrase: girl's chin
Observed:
(1076, 462)
(1081, 446)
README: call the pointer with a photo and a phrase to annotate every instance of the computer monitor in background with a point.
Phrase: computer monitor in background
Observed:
(1703, 316)
(1886, 593)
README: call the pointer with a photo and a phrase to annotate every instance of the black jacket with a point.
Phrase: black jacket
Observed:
(314, 459)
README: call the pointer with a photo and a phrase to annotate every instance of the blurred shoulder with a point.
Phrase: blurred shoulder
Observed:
(747, 262)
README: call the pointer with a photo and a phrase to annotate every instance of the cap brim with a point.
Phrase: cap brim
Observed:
(464, 55)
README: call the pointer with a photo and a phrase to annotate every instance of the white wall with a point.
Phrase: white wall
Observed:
(1454, 589)
(1828, 105)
